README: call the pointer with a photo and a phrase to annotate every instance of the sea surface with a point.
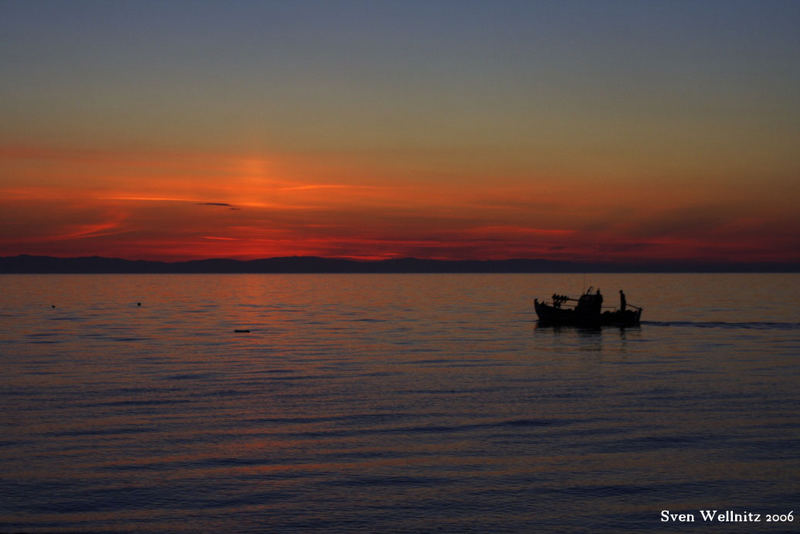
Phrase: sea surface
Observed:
(395, 403)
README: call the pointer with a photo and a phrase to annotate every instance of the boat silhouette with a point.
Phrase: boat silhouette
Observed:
(586, 311)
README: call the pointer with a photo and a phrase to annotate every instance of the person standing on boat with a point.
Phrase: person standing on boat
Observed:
(622, 302)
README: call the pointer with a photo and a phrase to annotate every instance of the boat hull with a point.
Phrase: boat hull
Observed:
(550, 315)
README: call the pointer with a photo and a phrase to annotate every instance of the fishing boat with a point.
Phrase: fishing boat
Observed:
(586, 311)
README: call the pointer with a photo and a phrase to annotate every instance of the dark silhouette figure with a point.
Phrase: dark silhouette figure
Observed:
(622, 302)
(599, 298)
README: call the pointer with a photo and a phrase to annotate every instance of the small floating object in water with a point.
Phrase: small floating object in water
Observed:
(53, 306)
(138, 303)
(241, 331)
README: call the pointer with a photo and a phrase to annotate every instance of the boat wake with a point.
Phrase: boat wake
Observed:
(755, 325)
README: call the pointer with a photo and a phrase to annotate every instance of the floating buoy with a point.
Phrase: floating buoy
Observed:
(138, 303)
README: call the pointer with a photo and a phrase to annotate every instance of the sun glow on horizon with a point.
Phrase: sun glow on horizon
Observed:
(271, 207)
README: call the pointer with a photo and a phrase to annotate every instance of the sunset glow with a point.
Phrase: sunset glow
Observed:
(379, 130)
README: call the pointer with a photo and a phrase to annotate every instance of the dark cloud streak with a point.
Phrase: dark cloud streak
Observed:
(219, 204)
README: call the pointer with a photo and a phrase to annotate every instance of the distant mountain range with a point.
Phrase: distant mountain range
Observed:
(308, 264)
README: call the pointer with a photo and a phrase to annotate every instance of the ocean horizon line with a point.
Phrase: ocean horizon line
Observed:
(34, 264)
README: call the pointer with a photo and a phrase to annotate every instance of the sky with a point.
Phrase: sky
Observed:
(606, 131)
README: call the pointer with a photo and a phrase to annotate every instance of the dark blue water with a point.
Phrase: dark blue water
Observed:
(394, 403)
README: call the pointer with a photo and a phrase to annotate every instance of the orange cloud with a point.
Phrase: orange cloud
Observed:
(177, 206)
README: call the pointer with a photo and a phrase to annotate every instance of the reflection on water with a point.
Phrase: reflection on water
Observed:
(391, 403)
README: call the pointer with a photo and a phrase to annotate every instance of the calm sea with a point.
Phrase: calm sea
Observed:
(394, 403)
